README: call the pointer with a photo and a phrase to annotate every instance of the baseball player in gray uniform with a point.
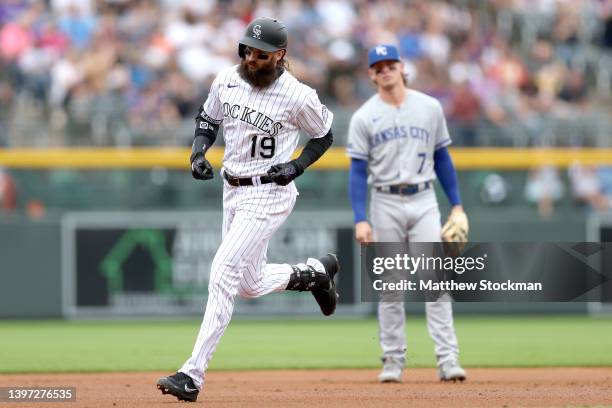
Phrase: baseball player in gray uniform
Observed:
(262, 108)
(397, 144)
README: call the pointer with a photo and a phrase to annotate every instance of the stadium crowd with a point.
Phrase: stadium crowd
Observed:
(132, 72)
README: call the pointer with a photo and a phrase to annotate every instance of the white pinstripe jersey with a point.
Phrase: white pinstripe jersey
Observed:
(261, 126)
(398, 143)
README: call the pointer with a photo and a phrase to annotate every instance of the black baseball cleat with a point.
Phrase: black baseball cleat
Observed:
(180, 385)
(327, 298)
(317, 276)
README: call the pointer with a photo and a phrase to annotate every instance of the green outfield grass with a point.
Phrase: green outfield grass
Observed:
(500, 341)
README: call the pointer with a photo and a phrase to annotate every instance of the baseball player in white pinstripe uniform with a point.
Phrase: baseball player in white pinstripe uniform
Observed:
(397, 144)
(262, 108)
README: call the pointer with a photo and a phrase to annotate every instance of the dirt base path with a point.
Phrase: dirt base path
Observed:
(533, 387)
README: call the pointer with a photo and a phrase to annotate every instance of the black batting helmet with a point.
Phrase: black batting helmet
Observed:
(264, 33)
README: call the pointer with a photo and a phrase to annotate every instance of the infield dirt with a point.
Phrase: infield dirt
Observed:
(485, 387)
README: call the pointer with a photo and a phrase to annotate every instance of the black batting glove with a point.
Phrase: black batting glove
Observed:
(285, 173)
(200, 167)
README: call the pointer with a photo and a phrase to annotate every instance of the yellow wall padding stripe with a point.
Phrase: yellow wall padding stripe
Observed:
(334, 159)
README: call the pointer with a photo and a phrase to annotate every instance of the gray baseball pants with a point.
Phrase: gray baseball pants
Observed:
(414, 218)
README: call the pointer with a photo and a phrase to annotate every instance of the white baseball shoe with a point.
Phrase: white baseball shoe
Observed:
(392, 371)
(451, 371)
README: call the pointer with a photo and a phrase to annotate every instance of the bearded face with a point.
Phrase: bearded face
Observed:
(259, 68)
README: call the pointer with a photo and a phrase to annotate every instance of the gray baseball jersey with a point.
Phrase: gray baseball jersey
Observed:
(261, 126)
(398, 143)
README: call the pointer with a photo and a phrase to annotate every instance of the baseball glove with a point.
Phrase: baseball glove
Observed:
(455, 233)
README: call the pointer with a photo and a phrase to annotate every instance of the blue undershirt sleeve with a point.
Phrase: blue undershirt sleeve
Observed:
(445, 171)
(358, 188)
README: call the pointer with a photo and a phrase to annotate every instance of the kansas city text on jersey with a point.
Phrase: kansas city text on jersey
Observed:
(398, 132)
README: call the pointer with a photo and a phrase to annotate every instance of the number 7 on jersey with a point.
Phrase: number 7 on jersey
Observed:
(422, 156)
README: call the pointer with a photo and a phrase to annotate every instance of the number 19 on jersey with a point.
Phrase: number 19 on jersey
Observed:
(264, 148)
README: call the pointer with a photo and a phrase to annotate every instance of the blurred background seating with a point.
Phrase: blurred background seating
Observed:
(126, 73)
(133, 72)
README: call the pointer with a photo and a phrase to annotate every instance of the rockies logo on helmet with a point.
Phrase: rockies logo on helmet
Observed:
(256, 31)
(264, 33)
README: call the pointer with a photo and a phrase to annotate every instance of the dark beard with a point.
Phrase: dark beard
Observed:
(261, 78)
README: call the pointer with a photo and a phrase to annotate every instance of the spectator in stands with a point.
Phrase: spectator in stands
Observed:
(464, 109)
(78, 27)
(6, 100)
(8, 194)
(544, 187)
(11, 9)
(586, 187)
(464, 113)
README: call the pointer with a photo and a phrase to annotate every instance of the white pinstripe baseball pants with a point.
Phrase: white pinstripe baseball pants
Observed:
(251, 215)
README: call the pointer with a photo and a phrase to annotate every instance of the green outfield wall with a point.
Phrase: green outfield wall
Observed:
(37, 256)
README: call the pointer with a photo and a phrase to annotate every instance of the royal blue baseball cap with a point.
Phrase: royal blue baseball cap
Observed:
(383, 52)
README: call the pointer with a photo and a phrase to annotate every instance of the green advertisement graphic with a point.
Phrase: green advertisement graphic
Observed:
(154, 242)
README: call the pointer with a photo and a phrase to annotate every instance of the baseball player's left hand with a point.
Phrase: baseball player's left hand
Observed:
(456, 228)
(285, 173)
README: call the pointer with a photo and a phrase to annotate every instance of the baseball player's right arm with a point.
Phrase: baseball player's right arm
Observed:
(207, 121)
(358, 192)
(204, 137)
(358, 151)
